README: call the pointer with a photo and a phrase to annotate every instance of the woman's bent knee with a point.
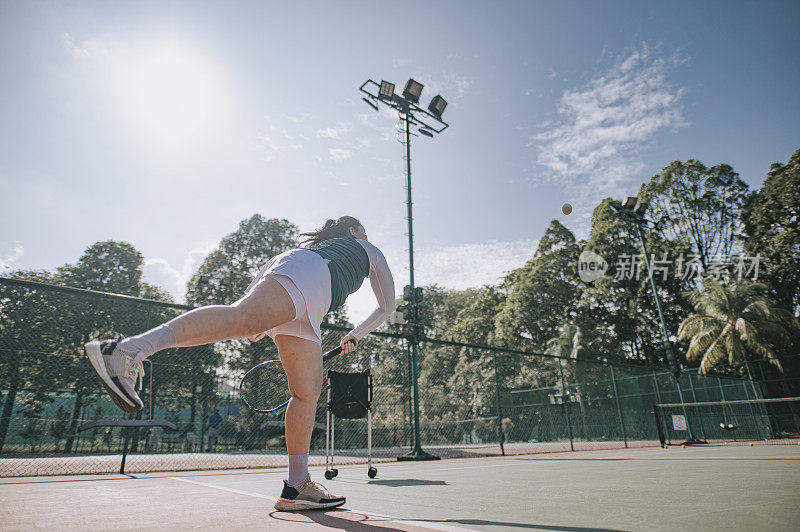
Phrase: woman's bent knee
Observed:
(307, 388)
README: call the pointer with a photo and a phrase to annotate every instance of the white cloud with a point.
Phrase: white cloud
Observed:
(472, 265)
(7, 262)
(455, 267)
(595, 144)
(161, 273)
(270, 141)
(455, 85)
(93, 48)
(450, 85)
(338, 154)
(302, 117)
(334, 132)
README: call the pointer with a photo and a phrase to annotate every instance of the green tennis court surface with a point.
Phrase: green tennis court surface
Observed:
(713, 488)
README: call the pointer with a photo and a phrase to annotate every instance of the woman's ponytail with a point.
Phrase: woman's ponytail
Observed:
(331, 229)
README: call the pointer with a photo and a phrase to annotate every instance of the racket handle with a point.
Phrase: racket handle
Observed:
(335, 351)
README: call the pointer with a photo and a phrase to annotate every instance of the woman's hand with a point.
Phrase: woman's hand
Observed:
(348, 344)
(257, 337)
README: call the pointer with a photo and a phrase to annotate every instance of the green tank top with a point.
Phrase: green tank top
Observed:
(348, 264)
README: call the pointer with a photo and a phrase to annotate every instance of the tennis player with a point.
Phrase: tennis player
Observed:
(287, 300)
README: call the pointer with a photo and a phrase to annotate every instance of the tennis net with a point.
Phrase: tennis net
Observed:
(773, 420)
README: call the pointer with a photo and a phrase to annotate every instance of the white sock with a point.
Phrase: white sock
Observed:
(298, 468)
(154, 340)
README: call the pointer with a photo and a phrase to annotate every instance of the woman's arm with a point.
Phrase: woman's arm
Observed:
(382, 285)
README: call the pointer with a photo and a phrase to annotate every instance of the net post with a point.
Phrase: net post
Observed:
(722, 395)
(619, 407)
(659, 428)
(694, 397)
(566, 406)
(126, 431)
(691, 440)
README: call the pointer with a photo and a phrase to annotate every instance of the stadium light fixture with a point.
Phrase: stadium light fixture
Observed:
(386, 90)
(437, 106)
(371, 103)
(630, 202)
(426, 132)
(413, 91)
(641, 207)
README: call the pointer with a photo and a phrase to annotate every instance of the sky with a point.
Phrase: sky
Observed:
(164, 124)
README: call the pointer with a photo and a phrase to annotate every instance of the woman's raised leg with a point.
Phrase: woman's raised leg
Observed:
(119, 363)
(266, 306)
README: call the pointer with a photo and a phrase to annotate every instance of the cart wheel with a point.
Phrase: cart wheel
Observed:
(335, 472)
(372, 472)
(329, 475)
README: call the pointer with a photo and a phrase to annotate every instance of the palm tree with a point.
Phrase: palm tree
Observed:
(732, 324)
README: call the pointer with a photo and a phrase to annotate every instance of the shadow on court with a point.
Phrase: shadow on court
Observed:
(354, 522)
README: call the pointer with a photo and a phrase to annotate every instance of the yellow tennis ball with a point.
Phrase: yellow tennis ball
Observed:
(751, 445)
(683, 446)
(566, 208)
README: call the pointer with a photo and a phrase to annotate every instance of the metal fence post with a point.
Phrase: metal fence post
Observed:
(655, 385)
(500, 434)
(619, 408)
(410, 401)
(566, 406)
(750, 406)
(763, 384)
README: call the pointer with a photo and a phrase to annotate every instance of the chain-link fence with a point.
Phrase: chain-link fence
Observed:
(474, 400)
(548, 403)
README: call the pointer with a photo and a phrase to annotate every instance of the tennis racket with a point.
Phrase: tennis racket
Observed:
(264, 387)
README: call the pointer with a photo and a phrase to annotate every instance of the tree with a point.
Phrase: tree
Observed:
(772, 229)
(573, 344)
(439, 310)
(227, 271)
(108, 266)
(33, 431)
(543, 293)
(619, 306)
(698, 205)
(59, 428)
(733, 324)
(26, 322)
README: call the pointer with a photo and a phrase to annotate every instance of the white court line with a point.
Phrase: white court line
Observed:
(422, 524)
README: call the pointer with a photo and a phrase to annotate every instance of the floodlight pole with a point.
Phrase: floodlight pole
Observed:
(639, 221)
(416, 452)
(431, 124)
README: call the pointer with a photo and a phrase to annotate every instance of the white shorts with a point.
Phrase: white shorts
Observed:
(306, 278)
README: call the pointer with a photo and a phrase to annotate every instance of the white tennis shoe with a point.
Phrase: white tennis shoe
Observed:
(307, 495)
(118, 371)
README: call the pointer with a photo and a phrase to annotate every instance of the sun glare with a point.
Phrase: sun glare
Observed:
(170, 95)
